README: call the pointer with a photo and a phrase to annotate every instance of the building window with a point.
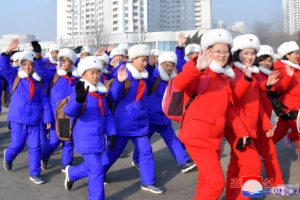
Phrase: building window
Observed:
(126, 15)
(167, 46)
(126, 8)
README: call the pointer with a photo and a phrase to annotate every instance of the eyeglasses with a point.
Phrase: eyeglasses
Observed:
(220, 53)
(64, 60)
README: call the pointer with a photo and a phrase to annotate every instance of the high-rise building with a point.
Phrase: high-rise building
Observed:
(239, 27)
(78, 18)
(291, 16)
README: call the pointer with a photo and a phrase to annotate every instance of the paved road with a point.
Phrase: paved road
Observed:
(124, 179)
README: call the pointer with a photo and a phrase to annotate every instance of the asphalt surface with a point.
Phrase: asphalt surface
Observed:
(123, 177)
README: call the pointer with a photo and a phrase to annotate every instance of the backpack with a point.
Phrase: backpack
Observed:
(175, 102)
(16, 83)
(63, 125)
(155, 85)
(110, 103)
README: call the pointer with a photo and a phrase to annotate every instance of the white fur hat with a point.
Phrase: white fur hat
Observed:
(286, 48)
(86, 49)
(215, 36)
(265, 50)
(167, 57)
(90, 62)
(191, 48)
(55, 47)
(139, 50)
(116, 51)
(16, 56)
(155, 51)
(68, 53)
(104, 57)
(245, 41)
(123, 46)
(26, 55)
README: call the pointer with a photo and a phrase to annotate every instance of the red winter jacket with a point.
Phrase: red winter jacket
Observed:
(204, 121)
(247, 107)
(289, 87)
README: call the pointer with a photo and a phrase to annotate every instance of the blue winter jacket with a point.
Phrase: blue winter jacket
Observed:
(88, 133)
(130, 117)
(155, 113)
(60, 90)
(22, 109)
(180, 58)
(113, 71)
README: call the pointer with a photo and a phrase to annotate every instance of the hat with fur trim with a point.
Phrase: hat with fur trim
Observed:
(139, 50)
(265, 50)
(55, 47)
(104, 57)
(215, 36)
(116, 51)
(90, 62)
(68, 53)
(167, 57)
(86, 49)
(26, 55)
(16, 56)
(191, 48)
(155, 51)
(245, 41)
(286, 48)
(123, 46)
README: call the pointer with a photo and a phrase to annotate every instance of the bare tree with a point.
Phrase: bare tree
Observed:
(139, 37)
(60, 39)
(263, 30)
(99, 35)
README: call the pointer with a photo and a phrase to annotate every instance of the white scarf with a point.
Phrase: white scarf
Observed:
(287, 62)
(227, 70)
(264, 70)
(240, 66)
(23, 74)
(52, 61)
(136, 74)
(164, 76)
(98, 88)
(61, 72)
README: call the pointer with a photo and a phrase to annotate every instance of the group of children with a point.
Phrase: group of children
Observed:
(116, 94)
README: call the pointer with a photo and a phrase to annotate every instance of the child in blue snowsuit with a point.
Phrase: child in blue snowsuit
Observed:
(29, 105)
(158, 120)
(89, 131)
(131, 117)
(66, 76)
(115, 62)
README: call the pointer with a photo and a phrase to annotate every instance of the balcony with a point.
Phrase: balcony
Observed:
(198, 14)
(198, 9)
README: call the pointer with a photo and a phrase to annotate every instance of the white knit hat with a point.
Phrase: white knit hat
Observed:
(286, 48)
(86, 49)
(123, 46)
(215, 36)
(68, 53)
(55, 47)
(139, 50)
(245, 41)
(26, 55)
(116, 51)
(265, 50)
(104, 57)
(167, 57)
(90, 62)
(155, 51)
(191, 48)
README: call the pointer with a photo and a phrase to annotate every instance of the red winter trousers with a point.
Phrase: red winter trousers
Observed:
(210, 175)
(242, 163)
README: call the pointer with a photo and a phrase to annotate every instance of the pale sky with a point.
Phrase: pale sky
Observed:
(38, 17)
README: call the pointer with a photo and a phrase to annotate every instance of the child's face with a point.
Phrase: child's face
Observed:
(266, 63)
(168, 67)
(126, 58)
(65, 64)
(118, 58)
(247, 56)
(92, 76)
(103, 63)
(293, 57)
(17, 63)
(192, 55)
(140, 63)
(54, 55)
(27, 66)
(84, 55)
(156, 60)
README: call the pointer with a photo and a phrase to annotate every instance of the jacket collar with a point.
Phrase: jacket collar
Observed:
(135, 73)
(227, 70)
(98, 88)
(52, 61)
(164, 76)
(240, 66)
(287, 62)
(61, 72)
(23, 74)
(264, 70)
